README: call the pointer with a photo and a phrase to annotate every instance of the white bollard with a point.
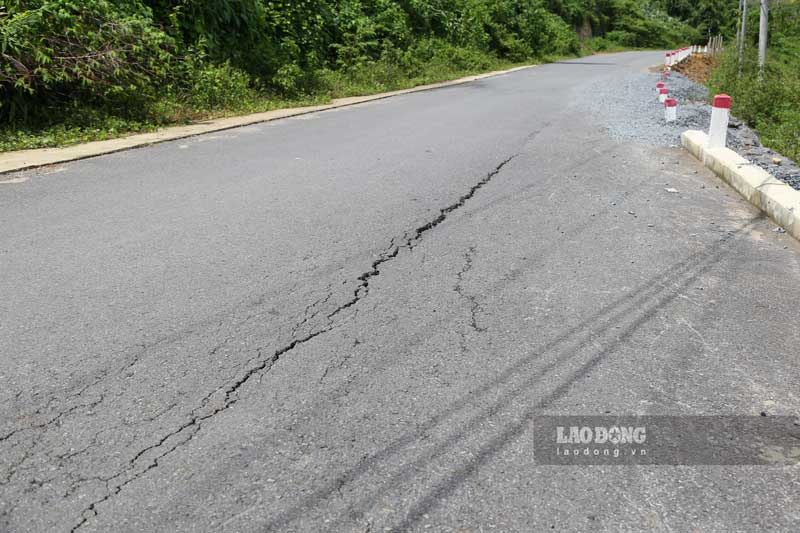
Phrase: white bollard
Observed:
(662, 95)
(670, 110)
(666, 59)
(720, 113)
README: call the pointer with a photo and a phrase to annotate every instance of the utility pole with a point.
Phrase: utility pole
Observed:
(739, 25)
(762, 36)
(742, 36)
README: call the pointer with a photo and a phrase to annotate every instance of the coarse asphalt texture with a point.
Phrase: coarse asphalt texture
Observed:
(346, 321)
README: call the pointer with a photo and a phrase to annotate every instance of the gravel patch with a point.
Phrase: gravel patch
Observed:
(630, 110)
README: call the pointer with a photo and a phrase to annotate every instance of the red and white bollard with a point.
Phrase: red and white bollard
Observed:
(665, 74)
(720, 113)
(662, 95)
(667, 59)
(670, 110)
(659, 85)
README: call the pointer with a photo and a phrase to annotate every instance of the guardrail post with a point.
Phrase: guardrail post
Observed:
(720, 114)
(670, 110)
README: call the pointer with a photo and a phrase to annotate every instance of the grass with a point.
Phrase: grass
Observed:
(86, 125)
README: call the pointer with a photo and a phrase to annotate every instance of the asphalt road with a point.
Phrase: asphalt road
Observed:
(347, 320)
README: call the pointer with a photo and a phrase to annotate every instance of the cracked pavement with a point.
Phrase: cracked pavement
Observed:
(345, 321)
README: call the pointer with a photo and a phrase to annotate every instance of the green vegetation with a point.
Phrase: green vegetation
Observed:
(769, 103)
(76, 70)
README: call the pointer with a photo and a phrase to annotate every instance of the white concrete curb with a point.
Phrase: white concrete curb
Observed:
(777, 199)
(27, 159)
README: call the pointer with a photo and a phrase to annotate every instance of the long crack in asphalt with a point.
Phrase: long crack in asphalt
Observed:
(227, 396)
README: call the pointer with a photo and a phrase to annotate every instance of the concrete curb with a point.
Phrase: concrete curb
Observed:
(777, 199)
(27, 159)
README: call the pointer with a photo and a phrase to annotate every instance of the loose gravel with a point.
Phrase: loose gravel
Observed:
(630, 110)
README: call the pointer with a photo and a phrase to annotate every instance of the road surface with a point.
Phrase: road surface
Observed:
(346, 321)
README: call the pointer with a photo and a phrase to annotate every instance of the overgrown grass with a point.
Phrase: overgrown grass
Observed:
(86, 124)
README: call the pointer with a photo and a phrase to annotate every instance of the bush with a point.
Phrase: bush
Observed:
(783, 134)
(57, 52)
(213, 87)
(624, 38)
